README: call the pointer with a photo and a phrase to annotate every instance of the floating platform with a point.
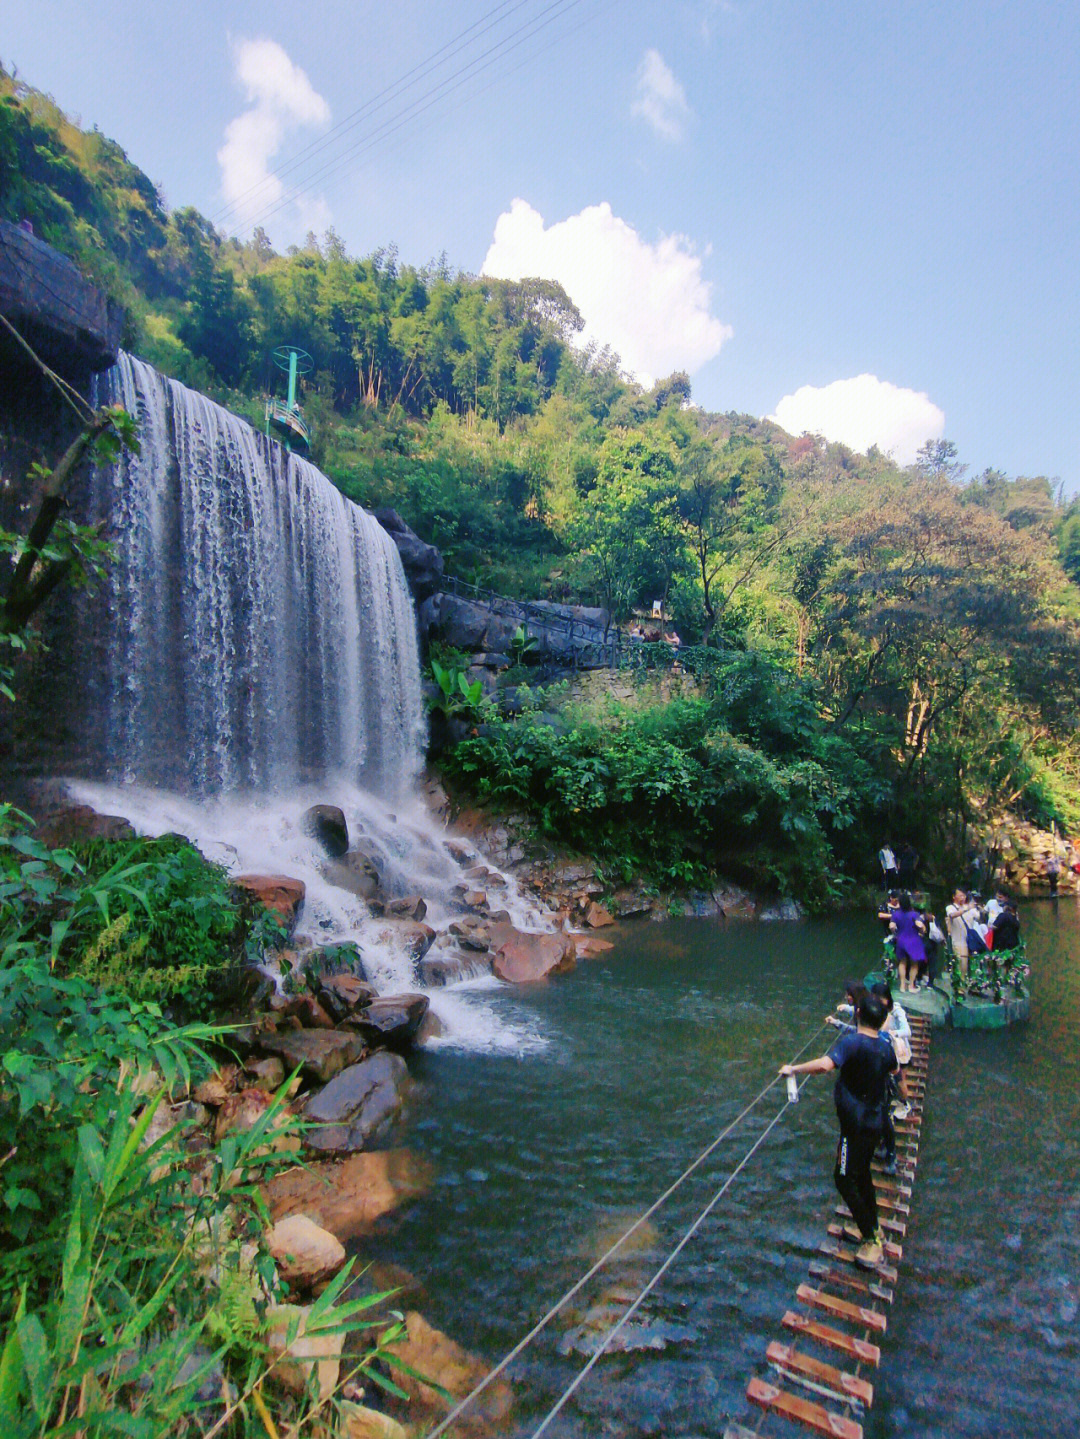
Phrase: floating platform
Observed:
(820, 1376)
(975, 1011)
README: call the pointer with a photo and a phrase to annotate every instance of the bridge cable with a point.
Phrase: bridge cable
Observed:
(683, 1242)
(527, 1339)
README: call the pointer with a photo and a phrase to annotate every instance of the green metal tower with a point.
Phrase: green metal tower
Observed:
(283, 419)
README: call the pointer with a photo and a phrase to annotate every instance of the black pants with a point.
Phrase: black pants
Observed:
(887, 1137)
(853, 1178)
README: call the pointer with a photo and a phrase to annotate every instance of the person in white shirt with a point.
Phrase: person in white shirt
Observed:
(958, 917)
(995, 906)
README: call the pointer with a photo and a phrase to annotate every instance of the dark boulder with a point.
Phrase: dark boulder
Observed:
(422, 563)
(392, 1019)
(358, 1106)
(320, 1053)
(327, 824)
(74, 823)
(343, 994)
(442, 969)
(356, 872)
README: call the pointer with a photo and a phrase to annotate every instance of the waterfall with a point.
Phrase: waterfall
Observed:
(259, 630)
(251, 651)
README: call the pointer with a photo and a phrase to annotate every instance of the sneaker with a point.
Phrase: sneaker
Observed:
(901, 1111)
(870, 1253)
(889, 1166)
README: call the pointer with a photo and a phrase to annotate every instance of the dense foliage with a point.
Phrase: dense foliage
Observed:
(927, 619)
(129, 1296)
(743, 779)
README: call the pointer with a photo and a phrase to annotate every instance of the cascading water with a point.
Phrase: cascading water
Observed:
(255, 652)
(261, 631)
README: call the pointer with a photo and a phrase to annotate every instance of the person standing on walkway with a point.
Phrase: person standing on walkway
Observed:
(864, 1060)
(887, 860)
(1051, 868)
(910, 928)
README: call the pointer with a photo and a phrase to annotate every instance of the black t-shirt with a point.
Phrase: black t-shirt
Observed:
(864, 1063)
(1006, 929)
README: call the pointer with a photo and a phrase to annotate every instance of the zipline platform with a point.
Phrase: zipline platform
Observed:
(821, 1369)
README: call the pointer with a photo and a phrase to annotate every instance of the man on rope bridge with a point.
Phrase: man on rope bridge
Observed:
(865, 1061)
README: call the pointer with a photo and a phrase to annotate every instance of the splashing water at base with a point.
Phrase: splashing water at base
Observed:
(249, 835)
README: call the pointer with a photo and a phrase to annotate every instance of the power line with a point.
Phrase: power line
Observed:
(431, 98)
(432, 62)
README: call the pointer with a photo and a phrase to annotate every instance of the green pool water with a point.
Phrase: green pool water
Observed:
(647, 1053)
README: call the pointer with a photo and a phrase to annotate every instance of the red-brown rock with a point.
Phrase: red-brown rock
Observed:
(522, 958)
(320, 1053)
(276, 892)
(589, 946)
(348, 1197)
(596, 916)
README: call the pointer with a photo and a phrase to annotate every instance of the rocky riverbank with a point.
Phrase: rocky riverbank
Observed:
(320, 1059)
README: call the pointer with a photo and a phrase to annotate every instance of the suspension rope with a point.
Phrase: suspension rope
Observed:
(668, 1262)
(542, 1323)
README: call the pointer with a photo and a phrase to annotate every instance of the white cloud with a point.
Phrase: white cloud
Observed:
(661, 100)
(280, 98)
(862, 412)
(648, 302)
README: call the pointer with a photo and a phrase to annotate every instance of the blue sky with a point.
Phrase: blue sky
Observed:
(864, 219)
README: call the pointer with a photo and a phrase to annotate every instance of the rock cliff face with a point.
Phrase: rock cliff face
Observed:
(75, 329)
(423, 564)
(561, 635)
(72, 324)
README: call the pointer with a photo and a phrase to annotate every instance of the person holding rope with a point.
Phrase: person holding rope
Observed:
(864, 1061)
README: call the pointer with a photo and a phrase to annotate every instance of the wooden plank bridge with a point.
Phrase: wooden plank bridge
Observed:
(841, 1311)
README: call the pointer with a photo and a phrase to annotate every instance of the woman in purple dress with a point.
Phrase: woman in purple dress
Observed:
(909, 927)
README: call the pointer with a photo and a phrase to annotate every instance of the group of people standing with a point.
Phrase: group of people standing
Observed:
(917, 937)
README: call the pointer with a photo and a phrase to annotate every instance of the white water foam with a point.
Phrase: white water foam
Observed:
(265, 836)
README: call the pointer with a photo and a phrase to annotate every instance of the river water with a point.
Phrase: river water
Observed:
(543, 1158)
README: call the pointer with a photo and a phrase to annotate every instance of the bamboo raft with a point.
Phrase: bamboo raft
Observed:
(842, 1308)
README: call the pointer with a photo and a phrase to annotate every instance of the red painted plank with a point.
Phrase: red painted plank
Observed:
(802, 1411)
(844, 1385)
(834, 1338)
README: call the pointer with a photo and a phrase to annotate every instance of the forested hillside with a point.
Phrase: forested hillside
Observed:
(895, 649)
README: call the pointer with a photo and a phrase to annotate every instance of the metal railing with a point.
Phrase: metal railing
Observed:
(590, 646)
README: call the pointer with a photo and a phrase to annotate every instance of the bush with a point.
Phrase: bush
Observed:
(123, 1281)
(172, 928)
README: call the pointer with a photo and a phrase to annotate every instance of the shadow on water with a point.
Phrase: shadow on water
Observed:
(651, 1050)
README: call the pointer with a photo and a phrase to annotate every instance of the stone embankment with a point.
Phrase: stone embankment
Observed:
(484, 626)
(1023, 851)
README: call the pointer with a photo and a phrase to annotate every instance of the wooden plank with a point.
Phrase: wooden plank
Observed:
(843, 1385)
(841, 1308)
(885, 1202)
(853, 1279)
(886, 1185)
(893, 1252)
(894, 1226)
(832, 1338)
(837, 1252)
(802, 1411)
